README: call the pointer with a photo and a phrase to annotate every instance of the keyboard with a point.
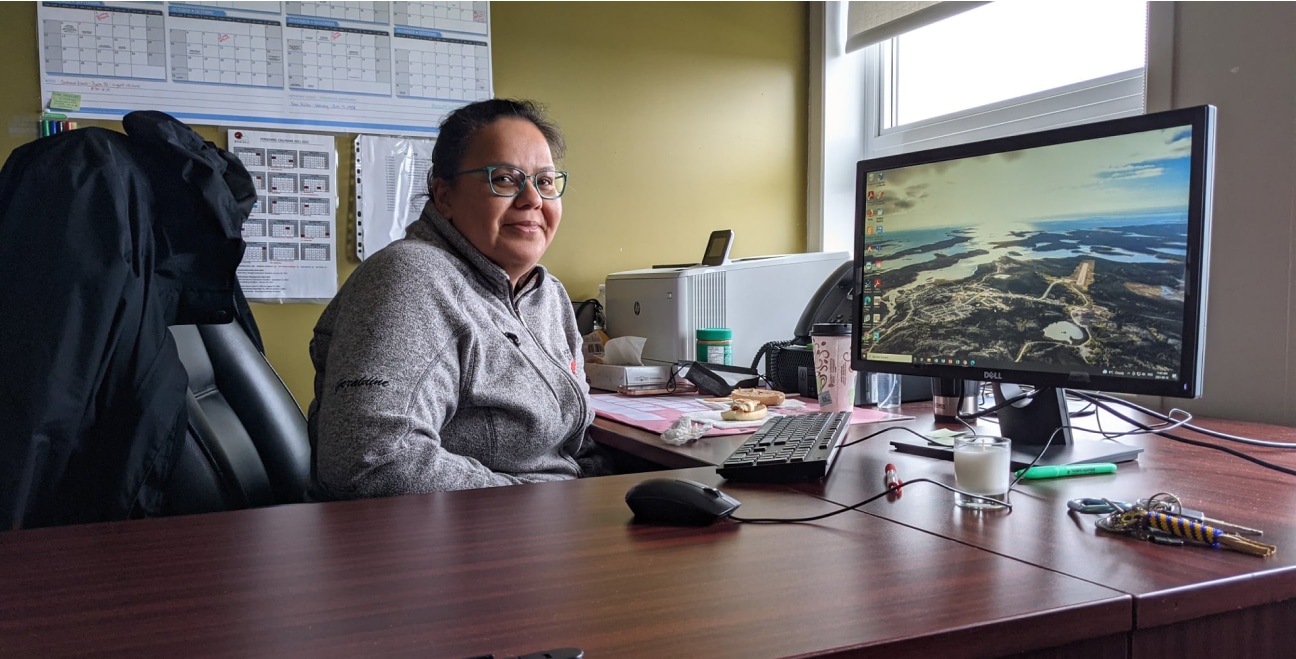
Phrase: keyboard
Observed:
(789, 449)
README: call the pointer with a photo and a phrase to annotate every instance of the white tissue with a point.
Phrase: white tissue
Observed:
(684, 430)
(624, 351)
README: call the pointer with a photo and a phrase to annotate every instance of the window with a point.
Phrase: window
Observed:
(1004, 68)
(1001, 69)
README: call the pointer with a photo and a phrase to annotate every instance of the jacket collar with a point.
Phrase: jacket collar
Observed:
(432, 222)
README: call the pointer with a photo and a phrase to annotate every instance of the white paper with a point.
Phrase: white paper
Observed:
(291, 231)
(354, 67)
(391, 188)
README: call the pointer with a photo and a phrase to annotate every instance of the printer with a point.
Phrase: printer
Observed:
(760, 298)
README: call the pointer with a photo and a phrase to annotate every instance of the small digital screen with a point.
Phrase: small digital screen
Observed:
(1061, 258)
(717, 248)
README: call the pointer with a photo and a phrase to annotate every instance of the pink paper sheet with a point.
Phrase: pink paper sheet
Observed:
(657, 413)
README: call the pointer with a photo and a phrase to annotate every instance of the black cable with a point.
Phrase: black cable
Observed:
(1193, 442)
(845, 508)
(1205, 431)
(771, 347)
(674, 372)
(991, 410)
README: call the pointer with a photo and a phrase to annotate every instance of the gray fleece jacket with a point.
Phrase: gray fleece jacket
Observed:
(431, 375)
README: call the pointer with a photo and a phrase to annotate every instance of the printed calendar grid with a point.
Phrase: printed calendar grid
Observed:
(254, 229)
(255, 253)
(361, 12)
(281, 183)
(314, 160)
(232, 51)
(109, 42)
(283, 251)
(312, 229)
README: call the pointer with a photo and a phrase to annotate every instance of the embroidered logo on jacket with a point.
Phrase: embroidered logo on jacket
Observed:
(360, 382)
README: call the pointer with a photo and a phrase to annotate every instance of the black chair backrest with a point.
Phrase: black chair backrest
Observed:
(247, 444)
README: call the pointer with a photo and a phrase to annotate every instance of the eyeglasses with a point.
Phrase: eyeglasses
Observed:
(511, 181)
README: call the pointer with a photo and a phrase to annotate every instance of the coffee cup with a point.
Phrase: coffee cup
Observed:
(831, 343)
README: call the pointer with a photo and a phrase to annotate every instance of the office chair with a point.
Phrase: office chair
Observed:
(247, 444)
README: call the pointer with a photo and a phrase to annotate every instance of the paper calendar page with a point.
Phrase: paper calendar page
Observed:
(290, 233)
(372, 67)
(391, 188)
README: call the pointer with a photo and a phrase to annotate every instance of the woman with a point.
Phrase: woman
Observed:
(449, 359)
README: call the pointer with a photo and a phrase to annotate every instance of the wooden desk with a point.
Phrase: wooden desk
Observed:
(1187, 600)
(534, 567)
(707, 452)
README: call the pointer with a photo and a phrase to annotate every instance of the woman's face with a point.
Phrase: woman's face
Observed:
(514, 232)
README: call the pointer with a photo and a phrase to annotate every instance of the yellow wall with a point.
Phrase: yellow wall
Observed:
(680, 118)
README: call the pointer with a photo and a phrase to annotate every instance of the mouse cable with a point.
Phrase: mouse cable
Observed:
(845, 508)
(1210, 433)
(971, 428)
(889, 490)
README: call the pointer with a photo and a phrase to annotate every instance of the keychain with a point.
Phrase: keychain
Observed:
(1157, 519)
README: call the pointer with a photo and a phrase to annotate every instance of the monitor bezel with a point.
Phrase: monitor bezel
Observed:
(1197, 263)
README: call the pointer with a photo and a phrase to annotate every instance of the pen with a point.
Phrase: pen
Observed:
(1066, 470)
(893, 481)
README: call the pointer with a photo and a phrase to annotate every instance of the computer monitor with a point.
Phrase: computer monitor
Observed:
(1068, 258)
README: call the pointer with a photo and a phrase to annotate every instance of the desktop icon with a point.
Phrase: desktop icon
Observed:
(872, 194)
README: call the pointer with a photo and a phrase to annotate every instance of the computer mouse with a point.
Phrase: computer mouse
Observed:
(678, 502)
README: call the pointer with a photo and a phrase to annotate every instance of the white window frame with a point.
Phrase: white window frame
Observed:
(1109, 97)
(846, 120)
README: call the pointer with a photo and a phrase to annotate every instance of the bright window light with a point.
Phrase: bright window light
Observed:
(1010, 49)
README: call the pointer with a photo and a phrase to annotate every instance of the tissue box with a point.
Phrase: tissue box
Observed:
(609, 377)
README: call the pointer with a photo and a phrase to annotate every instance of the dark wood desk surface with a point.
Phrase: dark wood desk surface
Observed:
(528, 568)
(1184, 597)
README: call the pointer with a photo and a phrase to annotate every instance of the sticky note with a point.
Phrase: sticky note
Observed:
(65, 101)
(943, 436)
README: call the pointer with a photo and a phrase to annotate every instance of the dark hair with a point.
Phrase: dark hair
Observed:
(460, 126)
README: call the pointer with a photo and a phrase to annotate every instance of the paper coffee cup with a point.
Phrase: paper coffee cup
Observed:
(831, 343)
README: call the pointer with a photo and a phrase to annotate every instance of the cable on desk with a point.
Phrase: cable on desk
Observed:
(845, 508)
(1210, 433)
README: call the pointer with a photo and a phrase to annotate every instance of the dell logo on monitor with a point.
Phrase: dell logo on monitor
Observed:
(992, 375)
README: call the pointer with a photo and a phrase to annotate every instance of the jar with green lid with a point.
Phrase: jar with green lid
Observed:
(715, 345)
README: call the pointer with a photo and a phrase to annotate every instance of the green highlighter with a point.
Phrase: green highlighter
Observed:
(1035, 473)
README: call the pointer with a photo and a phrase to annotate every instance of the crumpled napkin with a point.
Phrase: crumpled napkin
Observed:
(685, 429)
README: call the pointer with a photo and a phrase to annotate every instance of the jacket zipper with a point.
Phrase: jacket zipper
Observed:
(568, 377)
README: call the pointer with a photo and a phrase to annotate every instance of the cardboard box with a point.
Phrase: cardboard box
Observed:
(608, 378)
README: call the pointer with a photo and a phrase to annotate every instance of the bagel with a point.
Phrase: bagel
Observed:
(744, 410)
(767, 397)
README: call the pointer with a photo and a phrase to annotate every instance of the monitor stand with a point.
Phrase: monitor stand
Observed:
(1029, 424)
